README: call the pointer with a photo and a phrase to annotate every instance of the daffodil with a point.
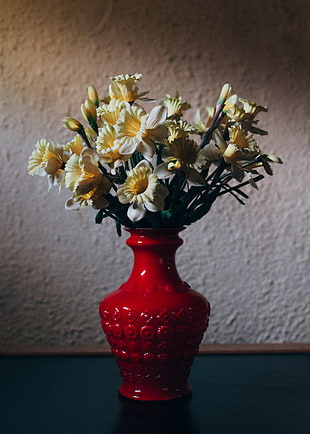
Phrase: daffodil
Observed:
(252, 108)
(248, 114)
(175, 105)
(178, 129)
(48, 159)
(142, 191)
(75, 146)
(214, 151)
(124, 87)
(182, 154)
(109, 113)
(108, 147)
(86, 181)
(138, 130)
(200, 126)
(230, 106)
(238, 151)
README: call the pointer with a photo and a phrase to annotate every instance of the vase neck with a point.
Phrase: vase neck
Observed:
(154, 257)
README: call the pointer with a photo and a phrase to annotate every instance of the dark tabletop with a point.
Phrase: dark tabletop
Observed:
(245, 393)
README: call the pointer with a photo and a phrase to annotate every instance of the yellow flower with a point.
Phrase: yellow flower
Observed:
(182, 154)
(108, 147)
(214, 151)
(241, 138)
(138, 131)
(200, 126)
(142, 191)
(109, 113)
(175, 105)
(230, 105)
(252, 108)
(48, 158)
(124, 87)
(86, 181)
(241, 149)
(178, 129)
(75, 146)
(248, 114)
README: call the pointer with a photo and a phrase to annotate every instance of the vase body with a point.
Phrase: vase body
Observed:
(154, 322)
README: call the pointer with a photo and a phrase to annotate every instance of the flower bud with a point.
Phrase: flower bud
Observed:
(72, 124)
(89, 112)
(224, 94)
(273, 158)
(93, 95)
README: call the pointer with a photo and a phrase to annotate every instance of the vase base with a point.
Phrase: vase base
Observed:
(154, 393)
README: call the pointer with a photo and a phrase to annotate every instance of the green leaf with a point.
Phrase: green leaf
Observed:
(118, 228)
(99, 217)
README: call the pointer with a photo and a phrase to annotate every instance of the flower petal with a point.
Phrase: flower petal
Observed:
(121, 194)
(128, 148)
(136, 212)
(237, 172)
(147, 150)
(157, 204)
(162, 172)
(193, 177)
(162, 190)
(156, 117)
(158, 133)
(71, 204)
(100, 202)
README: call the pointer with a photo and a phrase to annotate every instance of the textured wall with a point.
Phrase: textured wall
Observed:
(252, 262)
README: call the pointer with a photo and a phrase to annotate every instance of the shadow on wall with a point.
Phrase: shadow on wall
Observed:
(202, 39)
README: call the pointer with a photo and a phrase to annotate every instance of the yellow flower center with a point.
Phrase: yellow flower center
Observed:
(139, 186)
(185, 151)
(133, 126)
(174, 165)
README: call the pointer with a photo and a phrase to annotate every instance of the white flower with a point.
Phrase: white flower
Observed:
(240, 149)
(48, 159)
(175, 105)
(109, 113)
(202, 127)
(124, 87)
(138, 131)
(108, 147)
(183, 154)
(86, 181)
(179, 128)
(142, 191)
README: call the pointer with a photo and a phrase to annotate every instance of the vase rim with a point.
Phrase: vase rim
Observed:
(155, 229)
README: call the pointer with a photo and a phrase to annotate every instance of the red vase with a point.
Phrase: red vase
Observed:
(154, 322)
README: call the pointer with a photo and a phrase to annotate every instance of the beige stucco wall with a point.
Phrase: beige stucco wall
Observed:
(252, 262)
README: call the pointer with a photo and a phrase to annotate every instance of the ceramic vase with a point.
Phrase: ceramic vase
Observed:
(155, 321)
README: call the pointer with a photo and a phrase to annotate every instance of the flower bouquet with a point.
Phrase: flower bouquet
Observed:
(153, 168)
